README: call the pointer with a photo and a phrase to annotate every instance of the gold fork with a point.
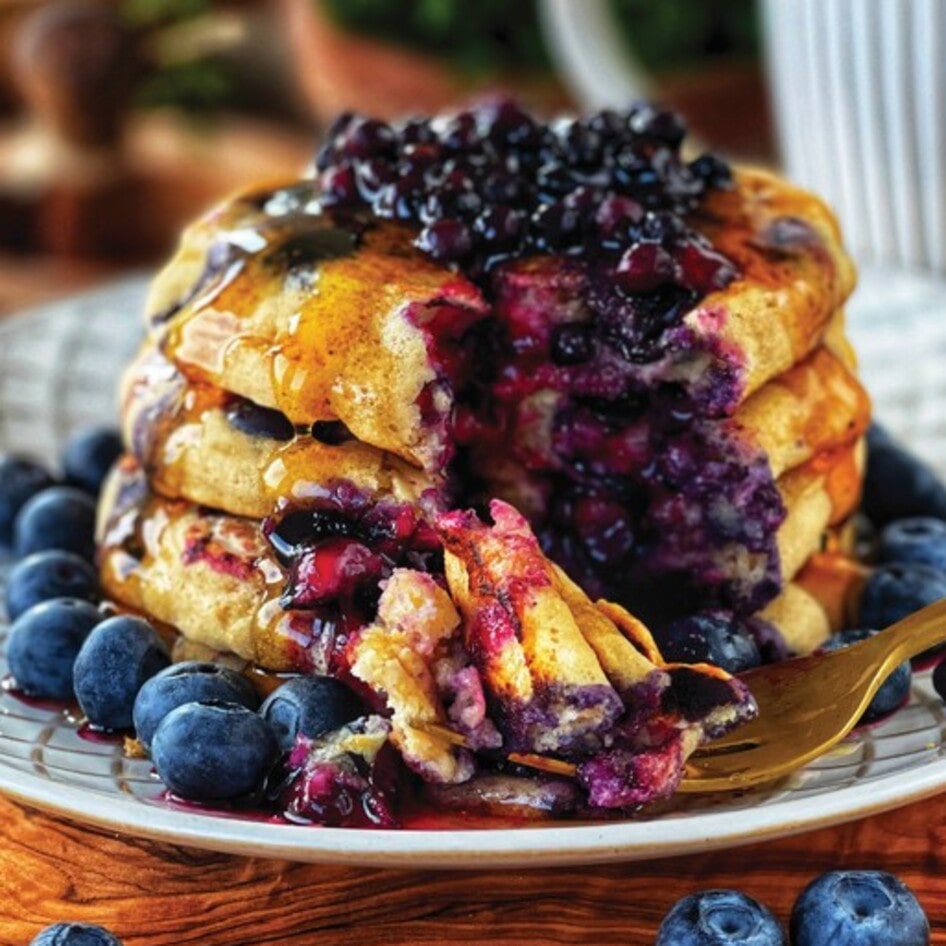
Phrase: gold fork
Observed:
(807, 705)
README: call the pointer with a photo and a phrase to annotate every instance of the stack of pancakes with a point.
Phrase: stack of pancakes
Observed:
(295, 362)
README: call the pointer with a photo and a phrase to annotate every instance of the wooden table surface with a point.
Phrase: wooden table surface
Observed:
(158, 895)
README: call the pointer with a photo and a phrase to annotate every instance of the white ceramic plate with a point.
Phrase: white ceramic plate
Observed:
(57, 371)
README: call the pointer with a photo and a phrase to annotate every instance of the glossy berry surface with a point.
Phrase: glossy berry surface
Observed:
(43, 645)
(894, 591)
(113, 664)
(61, 517)
(190, 681)
(256, 421)
(309, 706)
(75, 934)
(921, 540)
(894, 690)
(720, 918)
(716, 637)
(898, 484)
(858, 908)
(88, 455)
(213, 751)
(43, 576)
(20, 478)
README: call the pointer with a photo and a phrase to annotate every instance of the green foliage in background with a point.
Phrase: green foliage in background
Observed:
(487, 35)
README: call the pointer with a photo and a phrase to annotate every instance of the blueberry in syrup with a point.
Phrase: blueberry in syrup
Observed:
(331, 432)
(858, 908)
(898, 484)
(60, 517)
(213, 751)
(114, 662)
(75, 934)
(88, 455)
(256, 421)
(892, 592)
(716, 637)
(20, 479)
(720, 918)
(43, 576)
(921, 539)
(309, 706)
(894, 690)
(190, 681)
(43, 645)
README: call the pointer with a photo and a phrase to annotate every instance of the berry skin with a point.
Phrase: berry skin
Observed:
(213, 751)
(894, 591)
(939, 679)
(898, 485)
(719, 918)
(309, 706)
(113, 664)
(921, 540)
(75, 934)
(20, 479)
(714, 637)
(858, 908)
(47, 575)
(61, 517)
(191, 681)
(894, 690)
(256, 421)
(88, 456)
(44, 643)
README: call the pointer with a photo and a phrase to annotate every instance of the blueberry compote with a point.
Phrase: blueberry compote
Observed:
(589, 400)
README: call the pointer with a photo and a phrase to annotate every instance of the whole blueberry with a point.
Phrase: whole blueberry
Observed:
(20, 479)
(309, 706)
(897, 484)
(894, 690)
(858, 908)
(43, 645)
(61, 517)
(894, 591)
(113, 664)
(213, 751)
(75, 934)
(43, 576)
(88, 456)
(719, 918)
(191, 681)
(715, 637)
(920, 540)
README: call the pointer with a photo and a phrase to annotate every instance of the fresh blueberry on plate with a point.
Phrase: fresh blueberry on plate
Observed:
(191, 681)
(20, 479)
(213, 751)
(897, 484)
(720, 918)
(43, 645)
(894, 690)
(715, 637)
(43, 576)
(61, 517)
(113, 664)
(858, 908)
(88, 456)
(75, 934)
(309, 706)
(894, 591)
(920, 540)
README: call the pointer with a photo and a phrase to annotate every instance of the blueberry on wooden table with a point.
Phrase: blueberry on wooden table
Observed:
(75, 934)
(88, 455)
(858, 908)
(43, 576)
(61, 517)
(309, 706)
(114, 662)
(20, 479)
(213, 751)
(918, 540)
(190, 681)
(720, 918)
(43, 645)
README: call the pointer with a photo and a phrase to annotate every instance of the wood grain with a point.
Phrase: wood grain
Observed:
(160, 895)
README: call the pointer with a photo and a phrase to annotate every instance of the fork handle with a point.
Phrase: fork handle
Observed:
(909, 637)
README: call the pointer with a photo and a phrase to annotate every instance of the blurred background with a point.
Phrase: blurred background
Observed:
(122, 119)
